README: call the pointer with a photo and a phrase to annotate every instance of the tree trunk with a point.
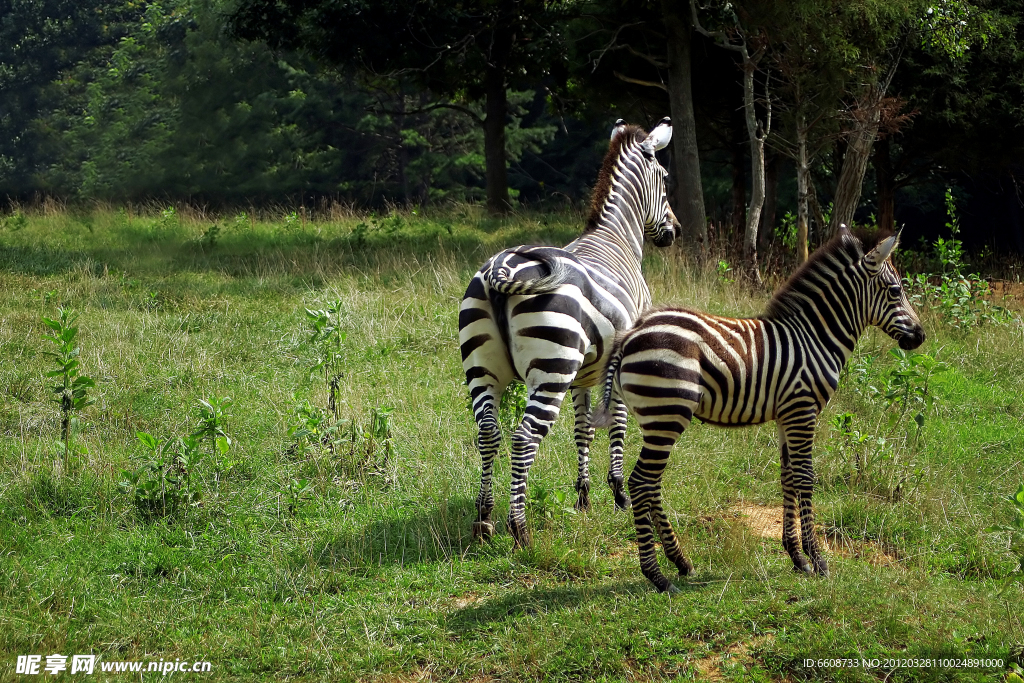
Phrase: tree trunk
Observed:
(886, 187)
(496, 109)
(756, 173)
(739, 177)
(403, 151)
(771, 193)
(855, 161)
(803, 179)
(688, 194)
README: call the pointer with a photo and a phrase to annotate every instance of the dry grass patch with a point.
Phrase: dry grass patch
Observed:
(465, 600)
(766, 522)
(710, 667)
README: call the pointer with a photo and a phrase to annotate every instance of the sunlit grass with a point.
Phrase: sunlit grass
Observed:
(377, 576)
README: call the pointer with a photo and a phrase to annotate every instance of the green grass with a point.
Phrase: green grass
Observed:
(376, 576)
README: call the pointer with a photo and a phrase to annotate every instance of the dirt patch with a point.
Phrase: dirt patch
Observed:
(425, 675)
(710, 667)
(465, 600)
(766, 522)
(873, 553)
(418, 676)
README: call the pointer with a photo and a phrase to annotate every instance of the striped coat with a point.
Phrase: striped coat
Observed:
(675, 365)
(546, 316)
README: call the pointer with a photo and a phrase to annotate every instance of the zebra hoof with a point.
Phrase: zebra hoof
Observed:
(672, 590)
(804, 568)
(622, 502)
(483, 531)
(821, 567)
(583, 502)
(520, 534)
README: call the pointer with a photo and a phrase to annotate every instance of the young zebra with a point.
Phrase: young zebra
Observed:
(784, 365)
(547, 316)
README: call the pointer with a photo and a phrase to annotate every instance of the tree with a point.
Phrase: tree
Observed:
(39, 41)
(736, 39)
(689, 191)
(462, 52)
(648, 44)
(963, 82)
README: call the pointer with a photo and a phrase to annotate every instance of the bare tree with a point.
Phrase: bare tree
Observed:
(867, 117)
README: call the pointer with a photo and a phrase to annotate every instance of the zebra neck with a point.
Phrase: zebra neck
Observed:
(609, 241)
(834, 320)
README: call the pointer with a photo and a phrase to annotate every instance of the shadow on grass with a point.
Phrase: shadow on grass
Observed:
(268, 253)
(517, 604)
(402, 536)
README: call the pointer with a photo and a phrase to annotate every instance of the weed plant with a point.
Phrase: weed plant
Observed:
(963, 299)
(72, 387)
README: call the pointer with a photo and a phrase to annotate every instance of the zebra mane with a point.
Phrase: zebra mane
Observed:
(845, 248)
(604, 177)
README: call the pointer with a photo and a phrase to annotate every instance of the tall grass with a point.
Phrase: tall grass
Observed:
(373, 574)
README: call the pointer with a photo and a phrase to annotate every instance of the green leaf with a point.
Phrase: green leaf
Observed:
(1018, 498)
(148, 440)
(919, 419)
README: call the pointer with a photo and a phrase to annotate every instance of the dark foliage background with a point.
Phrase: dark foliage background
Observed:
(230, 103)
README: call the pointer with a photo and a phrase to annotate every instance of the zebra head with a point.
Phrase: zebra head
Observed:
(660, 223)
(887, 303)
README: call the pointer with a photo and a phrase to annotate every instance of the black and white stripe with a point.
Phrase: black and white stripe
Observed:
(675, 365)
(547, 316)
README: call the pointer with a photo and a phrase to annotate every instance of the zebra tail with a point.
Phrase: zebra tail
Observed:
(500, 280)
(603, 416)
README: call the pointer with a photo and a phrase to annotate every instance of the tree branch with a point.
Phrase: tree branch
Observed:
(653, 60)
(439, 105)
(611, 44)
(718, 36)
(636, 81)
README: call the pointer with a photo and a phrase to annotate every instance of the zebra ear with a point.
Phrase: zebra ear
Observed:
(619, 126)
(874, 259)
(660, 136)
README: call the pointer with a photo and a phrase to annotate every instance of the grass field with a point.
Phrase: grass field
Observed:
(371, 574)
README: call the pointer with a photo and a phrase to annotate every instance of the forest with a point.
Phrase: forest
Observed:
(787, 114)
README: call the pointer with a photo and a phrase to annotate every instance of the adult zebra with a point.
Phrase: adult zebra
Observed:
(547, 316)
(784, 365)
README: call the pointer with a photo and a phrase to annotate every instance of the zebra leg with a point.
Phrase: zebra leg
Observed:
(584, 433)
(801, 439)
(542, 408)
(796, 435)
(669, 541)
(645, 489)
(488, 440)
(616, 442)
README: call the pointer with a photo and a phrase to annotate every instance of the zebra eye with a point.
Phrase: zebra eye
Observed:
(894, 292)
